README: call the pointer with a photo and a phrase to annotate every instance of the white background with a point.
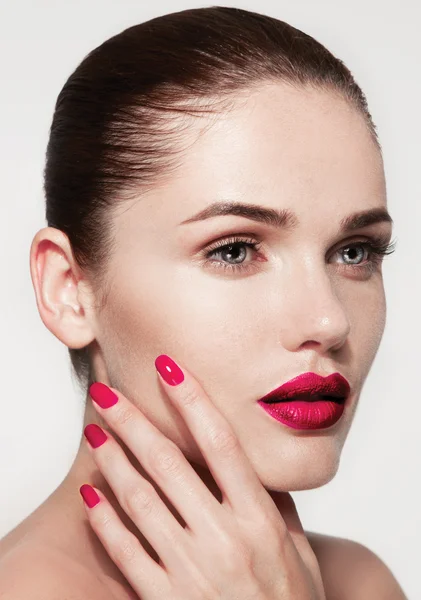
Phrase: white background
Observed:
(375, 497)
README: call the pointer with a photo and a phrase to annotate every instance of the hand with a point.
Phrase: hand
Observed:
(238, 548)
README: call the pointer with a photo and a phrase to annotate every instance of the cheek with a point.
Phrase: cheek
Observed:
(207, 324)
(221, 330)
(141, 322)
(367, 310)
(163, 314)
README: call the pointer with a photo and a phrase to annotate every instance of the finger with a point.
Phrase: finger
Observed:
(160, 457)
(285, 503)
(146, 577)
(287, 507)
(138, 498)
(227, 461)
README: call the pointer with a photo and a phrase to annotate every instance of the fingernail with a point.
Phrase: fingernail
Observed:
(102, 395)
(169, 370)
(89, 495)
(95, 435)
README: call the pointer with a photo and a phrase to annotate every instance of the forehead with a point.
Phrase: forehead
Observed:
(279, 128)
(278, 145)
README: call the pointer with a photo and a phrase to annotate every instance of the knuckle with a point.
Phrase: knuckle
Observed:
(189, 396)
(231, 552)
(311, 561)
(104, 521)
(123, 415)
(167, 458)
(124, 552)
(140, 500)
(236, 558)
(282, 542)
(224, 441)
(275, 542)
(263, 527)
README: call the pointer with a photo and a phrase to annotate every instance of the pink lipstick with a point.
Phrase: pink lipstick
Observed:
(308, 401)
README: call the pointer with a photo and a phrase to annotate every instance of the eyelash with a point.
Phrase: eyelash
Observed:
(377, 248)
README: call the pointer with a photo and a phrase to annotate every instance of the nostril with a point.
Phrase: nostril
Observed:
(310, 345)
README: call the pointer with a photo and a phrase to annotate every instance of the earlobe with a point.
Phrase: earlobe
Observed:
(58, 289)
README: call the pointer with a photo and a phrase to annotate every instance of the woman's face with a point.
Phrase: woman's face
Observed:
(300, 302)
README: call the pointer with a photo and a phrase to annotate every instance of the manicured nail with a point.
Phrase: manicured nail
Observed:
(102, 395)
(95, 435)
(169, 370)
(89, 495)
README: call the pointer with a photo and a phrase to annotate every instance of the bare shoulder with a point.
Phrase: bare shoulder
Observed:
(351, 571)
(34, 572)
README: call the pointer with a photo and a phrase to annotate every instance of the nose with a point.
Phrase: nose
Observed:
(314, 316)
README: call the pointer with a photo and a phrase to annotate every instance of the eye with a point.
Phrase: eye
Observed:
(361, 256)
(235, 251)
(366, 254)
(355, 252)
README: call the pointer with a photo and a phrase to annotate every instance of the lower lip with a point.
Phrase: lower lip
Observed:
(300, 414)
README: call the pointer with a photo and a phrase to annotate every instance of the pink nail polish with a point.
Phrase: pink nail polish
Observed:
(102, 395)
(89, 495)
(95, 435)
(169, 370)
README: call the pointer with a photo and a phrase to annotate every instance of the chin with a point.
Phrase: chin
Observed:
(298, 469)
(295, 483)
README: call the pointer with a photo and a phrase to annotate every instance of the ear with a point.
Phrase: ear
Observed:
(63, 298)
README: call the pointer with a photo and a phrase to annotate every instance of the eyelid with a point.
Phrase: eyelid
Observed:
(377, 239)
(375, 242)
(231, 239)
(253, 237)
(378, 245)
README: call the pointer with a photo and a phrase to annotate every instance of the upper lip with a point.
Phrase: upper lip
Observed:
(310, 384)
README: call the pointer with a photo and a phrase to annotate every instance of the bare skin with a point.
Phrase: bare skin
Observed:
(49, 552)
(299, 309)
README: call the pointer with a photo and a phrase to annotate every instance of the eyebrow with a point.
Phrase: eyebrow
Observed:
(285, 218)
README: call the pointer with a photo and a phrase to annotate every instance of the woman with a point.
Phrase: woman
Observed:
(217, 221)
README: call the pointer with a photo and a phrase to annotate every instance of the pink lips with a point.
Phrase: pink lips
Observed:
(308, 401)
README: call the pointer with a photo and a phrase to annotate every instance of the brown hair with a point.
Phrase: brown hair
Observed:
(113, 133)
